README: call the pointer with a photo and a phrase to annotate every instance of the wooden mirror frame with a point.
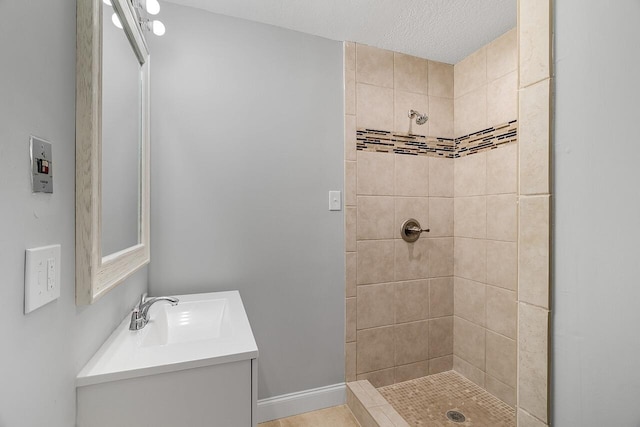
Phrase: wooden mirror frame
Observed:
(96, 275)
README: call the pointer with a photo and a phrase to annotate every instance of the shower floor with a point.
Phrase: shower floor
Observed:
(425, 401)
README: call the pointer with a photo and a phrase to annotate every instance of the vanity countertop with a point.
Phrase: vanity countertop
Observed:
(202, 330)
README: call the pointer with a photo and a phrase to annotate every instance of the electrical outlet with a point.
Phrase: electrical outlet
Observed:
(42, 277)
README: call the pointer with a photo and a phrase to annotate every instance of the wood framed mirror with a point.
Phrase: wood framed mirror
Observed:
(109, 124)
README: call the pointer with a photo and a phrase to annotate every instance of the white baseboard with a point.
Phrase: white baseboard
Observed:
(290, 404)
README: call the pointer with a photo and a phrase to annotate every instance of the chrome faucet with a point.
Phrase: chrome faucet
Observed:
(140, 314)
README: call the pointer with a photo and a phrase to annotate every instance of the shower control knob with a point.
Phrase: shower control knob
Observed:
(411, 230)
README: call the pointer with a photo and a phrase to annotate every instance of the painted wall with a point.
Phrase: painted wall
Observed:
(596, 368)
(247, 141)
(43, 351)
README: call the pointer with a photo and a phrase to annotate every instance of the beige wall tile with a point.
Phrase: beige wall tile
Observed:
(441, 117)
(502, 99)
(535, 40)
(440, 217)
(375, 263)
(374, 66)
(502, 264)
(375, 305)
(411, 175)
(469, 342)
(502, 55)
(470, 259)
(375, 349)
(350, 228)
(440, 177)
(379, 378)
(412, 371)
(533, 258)
(502, 311)
(440, 364)
(501, 358)
(470, 217)
(470, 73)
(410, 73)
(350, 323)
(375, 174)
(441, 257)
(374, 107)
(350, 137)
(471, 175)
(350, 92)
(402, 103)
(468, 371)
(527, 420)
(533, 360)
(500, 390)
(357, 408)
(411, 207)
(441, 297)
(534, 139)
(470, 112)
(349, 56)
(469, 300)
(350, 361)
(350, 273)
(411, 342)
(502, 217)
(440, 337)
(411, 301)
(375, 218)
(350, 176)
(440, 79)
(502, 169)
(412, 259)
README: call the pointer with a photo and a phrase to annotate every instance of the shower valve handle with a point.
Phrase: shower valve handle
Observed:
(411, 230)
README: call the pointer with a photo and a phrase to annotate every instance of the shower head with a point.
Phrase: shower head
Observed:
(420, 118)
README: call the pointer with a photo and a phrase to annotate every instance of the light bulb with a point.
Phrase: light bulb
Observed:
(116, 21)
(158, 28)
(153, 7)
(107, 2)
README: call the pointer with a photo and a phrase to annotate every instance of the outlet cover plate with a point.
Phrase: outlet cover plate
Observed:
(41, 276)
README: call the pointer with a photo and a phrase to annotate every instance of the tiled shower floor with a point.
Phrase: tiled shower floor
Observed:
(425, 401)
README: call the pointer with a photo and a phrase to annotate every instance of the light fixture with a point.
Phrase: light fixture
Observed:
(158, 28)
(107, 2)
(152, 6)
(116, 21)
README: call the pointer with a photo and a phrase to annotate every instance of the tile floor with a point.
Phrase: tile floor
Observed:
(425, 401)
(337, 416)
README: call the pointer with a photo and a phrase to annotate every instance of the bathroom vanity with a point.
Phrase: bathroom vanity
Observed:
(194, 364)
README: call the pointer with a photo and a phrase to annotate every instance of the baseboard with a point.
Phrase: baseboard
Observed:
(290, 404)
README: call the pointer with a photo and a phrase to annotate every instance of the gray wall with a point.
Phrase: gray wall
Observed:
(41, 353)
(596, 320)
(247, 142)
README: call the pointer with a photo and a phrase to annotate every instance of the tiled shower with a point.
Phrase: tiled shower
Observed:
(447, 301)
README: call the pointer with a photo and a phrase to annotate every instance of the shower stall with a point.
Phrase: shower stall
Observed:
(435, 314)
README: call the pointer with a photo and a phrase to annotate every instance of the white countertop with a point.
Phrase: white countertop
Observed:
(129, 354)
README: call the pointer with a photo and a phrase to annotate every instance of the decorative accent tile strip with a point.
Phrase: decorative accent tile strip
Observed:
(419, 145)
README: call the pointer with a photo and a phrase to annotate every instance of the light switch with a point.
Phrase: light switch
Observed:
(335, 200)
(42, 277)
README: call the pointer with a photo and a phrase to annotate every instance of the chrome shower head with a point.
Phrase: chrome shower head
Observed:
(420, 118)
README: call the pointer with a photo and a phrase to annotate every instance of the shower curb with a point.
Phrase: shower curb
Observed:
(370, 408)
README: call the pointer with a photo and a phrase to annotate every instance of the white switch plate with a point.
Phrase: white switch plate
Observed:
(335, 200)
(41, 277)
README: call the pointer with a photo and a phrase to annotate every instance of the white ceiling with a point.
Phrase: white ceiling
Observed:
(442, 30)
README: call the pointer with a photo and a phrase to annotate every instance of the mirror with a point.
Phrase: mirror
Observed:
(112, 147)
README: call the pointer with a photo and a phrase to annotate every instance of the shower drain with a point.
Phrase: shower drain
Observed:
(456, 417)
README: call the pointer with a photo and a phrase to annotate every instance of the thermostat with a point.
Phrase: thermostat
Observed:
(41, 166)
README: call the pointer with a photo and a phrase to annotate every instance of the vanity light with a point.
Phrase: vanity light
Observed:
(107, 2)
(152, 6)
(158, 28)
(116, 21)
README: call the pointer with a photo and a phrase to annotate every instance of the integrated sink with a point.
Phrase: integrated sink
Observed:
(188, 321)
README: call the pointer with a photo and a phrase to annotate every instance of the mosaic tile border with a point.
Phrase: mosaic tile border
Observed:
(419, 145)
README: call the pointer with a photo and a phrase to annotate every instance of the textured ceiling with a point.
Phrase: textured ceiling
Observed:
(442, 30)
